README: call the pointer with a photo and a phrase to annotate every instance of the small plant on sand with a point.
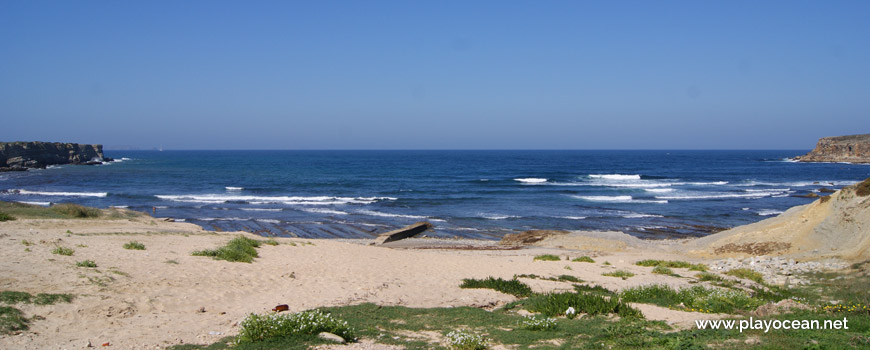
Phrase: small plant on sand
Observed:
(570, 304)
(463, 340)
(746, 273)
(63, 251)
(619, 273)
(676, 264)
(606, 263)
(270, 241)
(14, 297)
(547, 257)
(239, 249)
(26, 242)
(583, 259)
(512, 287)
(534, 323)
(12, 320)
(86, 263)
(171, 261)
(256, 328)
(661, 270)
(75, 210)
(6, 217)
(133, 245)
(697, 298)
(863, 188)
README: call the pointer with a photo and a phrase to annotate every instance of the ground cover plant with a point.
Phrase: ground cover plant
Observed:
(512, 287)
(746, 273)
(547, 257)
(6, 217)
(86, 263)
(676, 264)
(239, 249)
(619, 273)
(583, 259)
(255, 328)
(134, 245)
(63, 251)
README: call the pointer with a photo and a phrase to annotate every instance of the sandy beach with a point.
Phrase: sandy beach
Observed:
(163, 296)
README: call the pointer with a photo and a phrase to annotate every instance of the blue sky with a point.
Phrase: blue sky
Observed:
(435, 74)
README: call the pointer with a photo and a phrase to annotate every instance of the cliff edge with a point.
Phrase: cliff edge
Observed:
(15, 156)
(852, 149)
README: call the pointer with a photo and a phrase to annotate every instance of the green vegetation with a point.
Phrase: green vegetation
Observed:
(26, 242)
(270, 241)
(583, 259)
(63, 251)
(171, 261)
(746, 273)
(512, 287)
(534, 323)
(619, 273)
(12, 320)
(86, 263)
(134, 245)
(6, 217)
(661, 270)
(585, 288)
(547, 257)
(697, 298)
(75, 210)
(560, 278)
(255, 328)
(13, 297)
(674, 264)
(570, 304)
(863, 188)
(239, 249)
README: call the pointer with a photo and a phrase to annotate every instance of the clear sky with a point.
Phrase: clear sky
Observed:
(435, 74)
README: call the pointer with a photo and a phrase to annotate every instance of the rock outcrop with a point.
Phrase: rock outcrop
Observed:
(852, 149)
(25, 155)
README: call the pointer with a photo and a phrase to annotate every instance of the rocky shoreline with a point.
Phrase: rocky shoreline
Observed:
(850, 149)
(20, 156)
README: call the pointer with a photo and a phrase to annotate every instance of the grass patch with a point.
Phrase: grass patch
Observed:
(584, 258)
(255, 328)
(512, 287)
(86, 263)
(6, 217)
(697, 298)
(171, 261)
(464, 340)
(270, 241)
(63, 251)
(547, 257)
(570, 304)
(534, 323)
(748, 274)
(134, 245)
(14, 297)
(75, 210)
(863, 189)
(585, 288)
(661, 270)
(239, 249)
(12, 320)
(674, 264)
(619, 273)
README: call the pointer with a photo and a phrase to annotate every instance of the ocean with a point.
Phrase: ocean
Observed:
(471, 194)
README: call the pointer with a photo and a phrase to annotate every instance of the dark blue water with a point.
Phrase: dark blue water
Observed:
(478, 194)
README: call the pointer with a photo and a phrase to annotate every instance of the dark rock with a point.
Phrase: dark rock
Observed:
(16, 156)
(404, 232)
(827, 190)
(808, 195)
(851, 149)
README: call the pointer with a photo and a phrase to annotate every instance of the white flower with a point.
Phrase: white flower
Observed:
(570, 311)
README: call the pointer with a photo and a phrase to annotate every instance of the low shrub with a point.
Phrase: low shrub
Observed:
(569, 304)
(583, 259)
(462, 340)
(256, 328)
(661, 270)
(6, 217)
(270, 241)
(63, 251)
(134, 245)
(676, 264)
(746, 273)
(593, 289)
(12, 320)
(86, 263)
(512, 287)
(862, 189)
(239, 249)
(619, 273)
(697, 298)
(547, 257)
(75, 210)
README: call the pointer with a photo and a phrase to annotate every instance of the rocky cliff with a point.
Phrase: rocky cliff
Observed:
(852, 149)
(24, 155)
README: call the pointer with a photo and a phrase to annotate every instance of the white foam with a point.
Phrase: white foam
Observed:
(60, 194)
(120, 206)
(389, 215)
(44, 204)
(496, 216)
(659, 190)
(261, 209)
(231, 188)
(531, 180)
(639, 215)
(323, 211)
(615, 176)
(619, 199)
(769, 212)
(752, 195)
(288, 200)
(270, 221)
(572, 217)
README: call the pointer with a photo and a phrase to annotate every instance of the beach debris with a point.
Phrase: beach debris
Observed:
(282, 307)
(107, 344)
(89, 344)
(331, 337)
(201, 309)
(214, 333)
(404, 232)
